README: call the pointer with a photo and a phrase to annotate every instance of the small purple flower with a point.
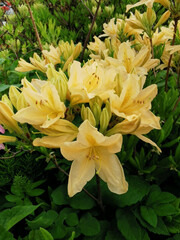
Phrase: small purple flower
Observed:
(2, 130)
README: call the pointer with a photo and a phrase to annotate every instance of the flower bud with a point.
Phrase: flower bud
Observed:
(163, 18)
(59, 80)
(104, 120)
(14, 95)
(7, 101)
(86, 113)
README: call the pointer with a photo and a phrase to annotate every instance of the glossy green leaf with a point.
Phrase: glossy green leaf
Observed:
(89, 225)
(149, 215)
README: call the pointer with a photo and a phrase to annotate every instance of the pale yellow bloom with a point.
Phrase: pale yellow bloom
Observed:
(53, 56)
(6, 139)
(149, 4)
(36, 64)
(90, 81)
(59, 132)
(6, 118)
(45, 107)
(92, 152)
(133, 106)
(134, 62)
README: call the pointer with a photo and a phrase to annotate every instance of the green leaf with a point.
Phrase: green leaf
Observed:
(5, 235)
(59, 195)
(35, 192)
(149, 215)
(9, 217)
(159, 229)
(3, 87)
(72, 219)
(45, 219)
(128, 225)
(41, 234)
(82, 201)
(164, 209)
(89, 225)
(138, 188)
(158, 197)
(46, 235)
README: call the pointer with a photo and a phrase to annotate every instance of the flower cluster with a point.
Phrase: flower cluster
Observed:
(85, 109)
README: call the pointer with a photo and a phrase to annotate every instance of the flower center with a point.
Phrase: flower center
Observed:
(91, 82)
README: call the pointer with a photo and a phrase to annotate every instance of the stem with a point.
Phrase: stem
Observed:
(62, 170)
(87, 9)
(34, 25)
(170, 58)
(99, 193)
(90, 30)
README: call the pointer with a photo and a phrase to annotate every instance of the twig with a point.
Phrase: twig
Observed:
(54, 160)
(170, 58)
(87, 8)
(34, 25)
(99, 192)
(90, 30)
(14, 154)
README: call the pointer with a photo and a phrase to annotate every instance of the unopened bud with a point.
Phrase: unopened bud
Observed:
(104, 120)
(163, 18)
(86, 113)
(14, 95)
(59, 80)
(7, 101)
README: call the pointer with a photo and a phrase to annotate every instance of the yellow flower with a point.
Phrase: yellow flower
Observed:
(45, 107)
(36, 64)
(6, 118)
(134, 62)
(5, 139)
(90, 81)
(149, 4)
(53, 56)
(59, 132)
(133, 106)
(94, 152)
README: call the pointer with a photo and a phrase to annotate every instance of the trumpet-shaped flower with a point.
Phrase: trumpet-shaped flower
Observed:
(134, 62)
(149, 4)
(6, 118)
(45, 107)
(90, 81)
(92, 152)
(133, 105)
(36, 64)
(59, 132)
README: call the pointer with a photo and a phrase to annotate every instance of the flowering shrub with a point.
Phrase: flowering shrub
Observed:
(87, 108)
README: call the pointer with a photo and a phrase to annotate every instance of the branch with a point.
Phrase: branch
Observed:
(90, 30)
(34, 25)
(170, 58)
(87, 8)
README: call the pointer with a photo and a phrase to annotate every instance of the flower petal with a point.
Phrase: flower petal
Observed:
(81, 172)
(111, 171)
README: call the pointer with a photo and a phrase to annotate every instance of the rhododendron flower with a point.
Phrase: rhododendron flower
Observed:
(6, 119)
(59, 132)
(133, 105)
(36, 64)
(90, 81)
(149, 4)
(134, 62)
(45, 107)
(93, 152)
